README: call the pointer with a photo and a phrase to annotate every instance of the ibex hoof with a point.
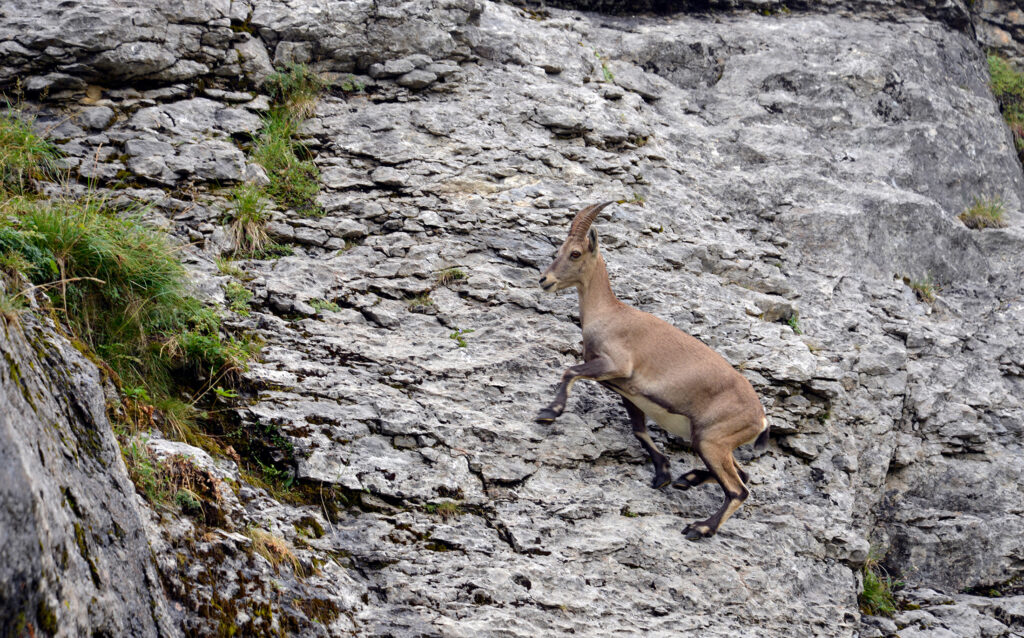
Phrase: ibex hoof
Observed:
(660, 481)
(547, 415)
(682, 484)
(697, 531)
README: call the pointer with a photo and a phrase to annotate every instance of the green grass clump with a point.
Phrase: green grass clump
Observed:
(145, 472)
(248, 218)
(445, 509)
(351, 85)
(294, 182)
(24, 155)
(459, 336)
(273, 250)
(229, 269)
(294, 178)
(985, 212)
(1007, 85)
(450, 276)
(11, 306)
(238, 297)
(794, 323)
(173, 482)
(118, 290)
(924, 288)
(296, 87)
(878, 597)
(421, 300)
(322, 304)
(119, 287)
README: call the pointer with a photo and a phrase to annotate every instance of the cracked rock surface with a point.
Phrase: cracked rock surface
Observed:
(790, 176)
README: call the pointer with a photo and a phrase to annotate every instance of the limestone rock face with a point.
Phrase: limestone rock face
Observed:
(790, 178)
(74, 558)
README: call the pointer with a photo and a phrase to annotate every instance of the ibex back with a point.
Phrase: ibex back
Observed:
(661, 372)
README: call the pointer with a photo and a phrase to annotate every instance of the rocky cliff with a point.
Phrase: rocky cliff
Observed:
(792, 175)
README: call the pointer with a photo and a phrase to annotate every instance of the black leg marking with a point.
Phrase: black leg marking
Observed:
(693, 478)
(638, 420)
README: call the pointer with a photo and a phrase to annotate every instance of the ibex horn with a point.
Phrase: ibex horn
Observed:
(581, 223)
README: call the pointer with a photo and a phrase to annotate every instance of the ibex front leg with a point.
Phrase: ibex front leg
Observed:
(599, 369)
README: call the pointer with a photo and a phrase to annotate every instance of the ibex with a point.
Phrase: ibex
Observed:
(661, 372)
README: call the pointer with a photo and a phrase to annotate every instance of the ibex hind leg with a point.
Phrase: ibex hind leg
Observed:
(721, 464)
(638, 420)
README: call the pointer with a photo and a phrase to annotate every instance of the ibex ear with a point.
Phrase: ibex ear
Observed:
(592, 240)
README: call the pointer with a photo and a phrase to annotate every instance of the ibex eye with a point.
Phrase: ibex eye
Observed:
(574, 255)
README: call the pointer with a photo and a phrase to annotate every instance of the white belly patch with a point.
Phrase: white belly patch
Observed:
(674, 423)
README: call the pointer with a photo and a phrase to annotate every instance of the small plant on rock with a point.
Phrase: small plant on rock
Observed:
(449, 276)
(985, 212)
(421, 300)
(1007, 85)
(445, 509)
(297, 87)
(24, 155)
(351, 85)
(238, 297)
(794, 323)
(924, 288)
(459, 336)
(322, 304)
(877, 597)
(274, 549)
(293, 175)
(229, 269)
(248, 217)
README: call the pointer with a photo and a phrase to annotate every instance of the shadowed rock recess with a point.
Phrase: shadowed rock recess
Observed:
(790, 170)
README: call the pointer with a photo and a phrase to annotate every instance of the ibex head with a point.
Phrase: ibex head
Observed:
(577, 254)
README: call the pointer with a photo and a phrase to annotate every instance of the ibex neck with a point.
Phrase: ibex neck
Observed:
(595, 293)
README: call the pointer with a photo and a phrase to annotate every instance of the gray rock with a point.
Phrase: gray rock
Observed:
(74, 558)
(96, 118)
(254, 60)
(391, 68)
(148, 158)
(417, 79)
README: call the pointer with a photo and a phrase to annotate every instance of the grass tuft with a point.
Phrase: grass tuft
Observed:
(924, 288)
(275, 550)
(297, 87)
(449, 276)
(294, 182)
(119, 288)
(24, 155)
(238, 297)
(878, 597)
(985, 212)
(1007, 85)
(11, 307)
(226, 267)
(294, 178)
(446, 510)
(273, 250)
(421, 300)
(248, 218)
(322, 304)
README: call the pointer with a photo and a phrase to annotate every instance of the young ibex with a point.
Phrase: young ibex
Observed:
(661, 372)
